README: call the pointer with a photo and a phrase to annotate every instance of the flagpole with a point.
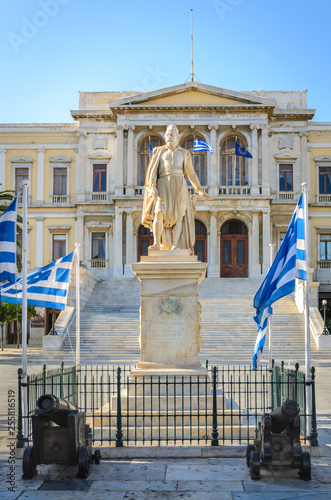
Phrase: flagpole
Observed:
(77, 245)
(307, 319)
(192, 74)
(271, 247)
(24, 185)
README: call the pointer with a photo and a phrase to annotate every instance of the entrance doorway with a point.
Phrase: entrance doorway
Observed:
(234, 249)
(145, 240)
(200, 247)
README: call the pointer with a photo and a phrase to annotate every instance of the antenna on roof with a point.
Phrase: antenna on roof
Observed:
(192, 73)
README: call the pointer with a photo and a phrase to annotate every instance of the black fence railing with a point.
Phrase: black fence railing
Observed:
(223, 408)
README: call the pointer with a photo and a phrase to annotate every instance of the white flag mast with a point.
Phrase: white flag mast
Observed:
(307, 318)
(24, 186)
(77, 245)
(192, 73)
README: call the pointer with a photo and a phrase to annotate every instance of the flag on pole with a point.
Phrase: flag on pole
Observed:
(46, 287)
(241, 151)
(201, 146)
(290, 263)
(8, 243)
(150, 146)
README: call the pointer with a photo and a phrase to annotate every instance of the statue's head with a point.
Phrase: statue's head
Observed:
(172, 135)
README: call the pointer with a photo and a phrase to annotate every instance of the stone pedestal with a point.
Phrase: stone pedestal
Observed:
(169, 314)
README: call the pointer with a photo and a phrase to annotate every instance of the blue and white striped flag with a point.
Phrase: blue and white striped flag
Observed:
(8, 243)
(46, 287)
(290, 263)
(201, 146)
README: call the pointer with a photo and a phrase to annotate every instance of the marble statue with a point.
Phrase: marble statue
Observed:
(168, 209)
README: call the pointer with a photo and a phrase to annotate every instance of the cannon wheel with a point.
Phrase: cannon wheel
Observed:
(96, 457)
(249, 450)
(255, 465)
(305, 469)
(28, 464)
(84, 462)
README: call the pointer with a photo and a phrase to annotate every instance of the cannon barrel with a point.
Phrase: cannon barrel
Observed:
(281, 417)
(54, 408)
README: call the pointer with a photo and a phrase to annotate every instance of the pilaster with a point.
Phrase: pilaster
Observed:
(212, 170)
(3, 169)
(266, 241)
(256, 267)
(129, 176)
(213, 267)
(255, 161)
(118, 243)
(265, 160)
(119, 161)
(40, 184)
(79, 235)
(80, 167)
(39, 241)
(129, 245)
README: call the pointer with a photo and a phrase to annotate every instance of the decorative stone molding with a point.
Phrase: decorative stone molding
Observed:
(3, 150)
(212, 127)
(81, 134)
(59, 229)
(41, 150)
(60, 159)
(285, 142)
(324, 158)
(285, 156)
(102, 226)
(131, 127)
(100, 156)
(100, 143)
(21, 159)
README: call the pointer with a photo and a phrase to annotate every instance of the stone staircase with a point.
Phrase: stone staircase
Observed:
(110, 325)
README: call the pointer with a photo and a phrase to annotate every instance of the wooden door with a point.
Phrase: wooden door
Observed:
(145, 240)
(234, 255)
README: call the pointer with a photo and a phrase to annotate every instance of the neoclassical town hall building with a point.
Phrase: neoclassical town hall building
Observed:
(87, 178)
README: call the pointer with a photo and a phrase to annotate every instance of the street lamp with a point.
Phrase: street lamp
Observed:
(324, 306)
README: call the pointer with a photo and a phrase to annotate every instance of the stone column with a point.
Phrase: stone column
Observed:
(266, 241)
(119, 162)
(79, 235)
(118, 243)
(129, 175)
(80, 167)
(265, 160)
(256, 267)
(255, 161)
(40, 183)
(40, 241)
(305, 171)
(129, 245)
(2, 168)
(213, 267)
(212, 170)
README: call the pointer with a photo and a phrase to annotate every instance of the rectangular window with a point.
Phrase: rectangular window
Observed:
(240, 252)
(286, 177)
(325, 180)
(229, 170)
(98, 245)
(325, 247)
(99, 178)
(227, 252)
(145, 245)
(60, 181)
(200, 250)
(20, 175)
(59, 246)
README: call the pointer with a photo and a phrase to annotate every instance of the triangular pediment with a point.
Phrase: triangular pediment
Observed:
(192, 94)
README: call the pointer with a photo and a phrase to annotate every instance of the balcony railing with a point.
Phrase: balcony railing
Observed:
(324, 198)
(98, 263)
(235, 190)
(139, 190)
(285, 195)
(20, 199)
(99, 196)
(60, 198)
(324, 264)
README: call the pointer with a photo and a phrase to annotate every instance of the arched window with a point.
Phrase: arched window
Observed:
(234, 226)
(144, 156)
(234, 171)
(199, 159)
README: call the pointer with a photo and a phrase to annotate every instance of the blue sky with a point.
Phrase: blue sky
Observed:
(51, 49)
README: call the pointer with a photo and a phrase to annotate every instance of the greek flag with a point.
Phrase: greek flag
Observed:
(8, 243)
(46, 287)
(241, 151)
(150, 147)
(290, 263)
(201, 146)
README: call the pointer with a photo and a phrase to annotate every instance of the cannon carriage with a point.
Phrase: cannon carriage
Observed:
(60, 436)
(277, 443)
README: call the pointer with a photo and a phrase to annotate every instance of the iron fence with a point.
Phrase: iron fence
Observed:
(223, 407)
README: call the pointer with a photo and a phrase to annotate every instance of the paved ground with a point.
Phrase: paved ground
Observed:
(144, 478)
